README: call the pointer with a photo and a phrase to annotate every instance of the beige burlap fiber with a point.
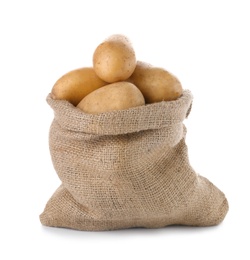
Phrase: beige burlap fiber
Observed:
(126, 169)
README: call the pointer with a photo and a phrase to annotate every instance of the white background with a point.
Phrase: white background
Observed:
(205, 44)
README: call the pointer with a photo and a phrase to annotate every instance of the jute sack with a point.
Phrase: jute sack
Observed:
(127, 168)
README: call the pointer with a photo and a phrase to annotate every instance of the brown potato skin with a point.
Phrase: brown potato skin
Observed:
(156, 84)
(76, 84)
(114, 96)
(114, 59)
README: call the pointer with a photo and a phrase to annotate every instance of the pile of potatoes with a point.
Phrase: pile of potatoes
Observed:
(116, 81)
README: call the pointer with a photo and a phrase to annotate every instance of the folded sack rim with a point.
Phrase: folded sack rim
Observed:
(156, 116)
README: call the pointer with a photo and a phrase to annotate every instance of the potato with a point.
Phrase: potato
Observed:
(156, 84)
(76, 84)
(114, 59)
(114, 96)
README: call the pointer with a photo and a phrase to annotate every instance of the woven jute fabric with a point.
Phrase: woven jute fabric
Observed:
(127, 168)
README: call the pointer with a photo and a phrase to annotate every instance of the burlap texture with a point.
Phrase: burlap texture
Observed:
(126, 169)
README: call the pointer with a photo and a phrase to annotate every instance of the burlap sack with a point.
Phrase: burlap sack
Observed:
(127, 169)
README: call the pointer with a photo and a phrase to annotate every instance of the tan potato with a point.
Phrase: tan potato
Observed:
(115, 96)
(76, 84)
(156, 84)
(114, 60)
